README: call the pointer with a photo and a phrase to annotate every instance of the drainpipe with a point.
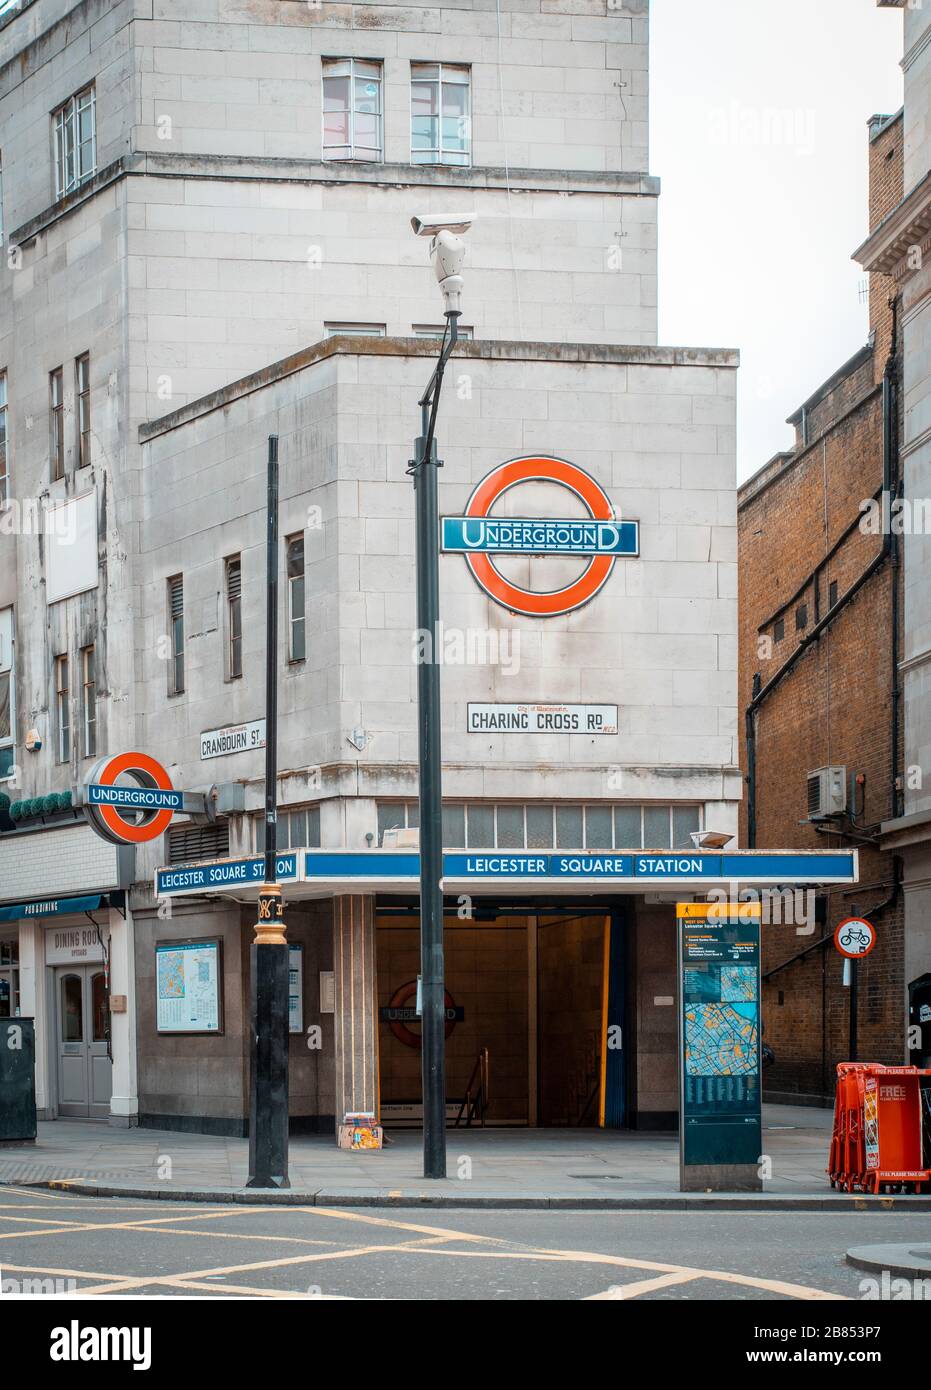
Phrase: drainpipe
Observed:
(892, 487)
(750, 724)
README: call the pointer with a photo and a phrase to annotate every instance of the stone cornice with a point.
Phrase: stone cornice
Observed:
(887, 248)
(344, 345)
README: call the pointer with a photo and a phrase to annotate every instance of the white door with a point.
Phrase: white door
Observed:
(84, 1067)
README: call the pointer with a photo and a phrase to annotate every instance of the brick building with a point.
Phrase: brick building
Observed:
(819, 619)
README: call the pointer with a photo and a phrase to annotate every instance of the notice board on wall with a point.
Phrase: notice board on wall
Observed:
(188, 986)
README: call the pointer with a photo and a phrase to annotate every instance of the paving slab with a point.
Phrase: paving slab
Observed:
(583, 1169)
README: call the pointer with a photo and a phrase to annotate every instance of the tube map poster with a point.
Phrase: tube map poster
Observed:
(188, 987)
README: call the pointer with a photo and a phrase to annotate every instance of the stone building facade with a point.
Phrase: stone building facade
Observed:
(193, 265)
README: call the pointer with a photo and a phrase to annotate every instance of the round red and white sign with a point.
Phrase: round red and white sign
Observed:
(598, 538)
(130, 815)
(855, 937)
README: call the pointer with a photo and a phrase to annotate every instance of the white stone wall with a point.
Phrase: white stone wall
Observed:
(658, 640)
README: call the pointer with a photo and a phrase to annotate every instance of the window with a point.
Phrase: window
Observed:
(56, 406)
(779, 629)
(297, 829)
(7, 724)
(352, 113)
(431, 330)
(176, 630)
(88, 703)
(4, 444)
(440, 114)
(601, 826)
(74, 126)
(82, 395)
(801, 617)
(357, 330)
(297, 646)
(63, 709)
(234, 616)
(9, 979)
(832, 593)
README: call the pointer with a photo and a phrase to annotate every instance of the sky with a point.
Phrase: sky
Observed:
(759, 113)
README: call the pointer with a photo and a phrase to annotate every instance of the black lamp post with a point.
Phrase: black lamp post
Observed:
(268, 954)
(424, 467)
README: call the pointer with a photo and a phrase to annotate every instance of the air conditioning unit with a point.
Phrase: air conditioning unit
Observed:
(827, 792)
(401, 839)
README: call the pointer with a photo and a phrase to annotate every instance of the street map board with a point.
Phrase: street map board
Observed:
(719, 990)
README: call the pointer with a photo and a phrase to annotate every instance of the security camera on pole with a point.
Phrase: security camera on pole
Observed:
(447, 252)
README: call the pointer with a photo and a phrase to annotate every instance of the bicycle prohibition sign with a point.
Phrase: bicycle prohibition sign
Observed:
(855, 937)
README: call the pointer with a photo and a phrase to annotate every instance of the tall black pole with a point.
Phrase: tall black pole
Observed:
(432, 968)
(268, 1093)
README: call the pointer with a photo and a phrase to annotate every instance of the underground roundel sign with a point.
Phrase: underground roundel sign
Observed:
(597, 538)
(136, 809)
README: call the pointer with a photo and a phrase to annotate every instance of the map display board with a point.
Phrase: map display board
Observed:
(187, 987)
(720, 1086)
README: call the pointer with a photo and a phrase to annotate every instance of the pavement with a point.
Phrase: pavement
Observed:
(508, 1168)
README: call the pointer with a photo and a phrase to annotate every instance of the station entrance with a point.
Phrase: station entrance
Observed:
(528, 1001)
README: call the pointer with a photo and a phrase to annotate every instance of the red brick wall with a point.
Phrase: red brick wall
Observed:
(834, 707)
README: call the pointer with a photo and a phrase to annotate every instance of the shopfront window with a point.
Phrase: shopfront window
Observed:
(9, 979)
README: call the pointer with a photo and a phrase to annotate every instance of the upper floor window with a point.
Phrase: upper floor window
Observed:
(297, 829)
(88, 703)
(63, 708)
(234, 616)
(297, 646)
(176, 634)
(352, 109)
(4, 444)
(82, 395)
(441, 124)
(7, 754)
(56, 430)
(435, 330)
(75, 129)
(355, 330)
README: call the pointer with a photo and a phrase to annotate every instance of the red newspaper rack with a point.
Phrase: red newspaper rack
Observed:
(878, 1143)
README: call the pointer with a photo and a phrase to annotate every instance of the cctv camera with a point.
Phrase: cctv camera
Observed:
(433, 222)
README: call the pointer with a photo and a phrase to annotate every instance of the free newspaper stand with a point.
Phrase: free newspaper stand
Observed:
(882, 1131)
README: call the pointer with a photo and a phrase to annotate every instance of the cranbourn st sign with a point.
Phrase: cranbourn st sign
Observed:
(235, 738)
(600, 537)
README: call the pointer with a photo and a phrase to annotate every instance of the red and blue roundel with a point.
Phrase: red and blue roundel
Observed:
(478, 536)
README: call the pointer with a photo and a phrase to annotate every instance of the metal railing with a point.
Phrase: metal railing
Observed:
(475, 1100)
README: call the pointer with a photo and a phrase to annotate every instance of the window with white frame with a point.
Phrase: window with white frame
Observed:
(352, 109)
(75, 132)
(603, 825)
(435, 330)
(63, 709)
(176, 634)
(234, 617)
(88, 703)
(56, 423)
(441, 114)
(297, 645)
(7, 723)
(4, 443)
(355, 330)
(82, 406)
(297, 829)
